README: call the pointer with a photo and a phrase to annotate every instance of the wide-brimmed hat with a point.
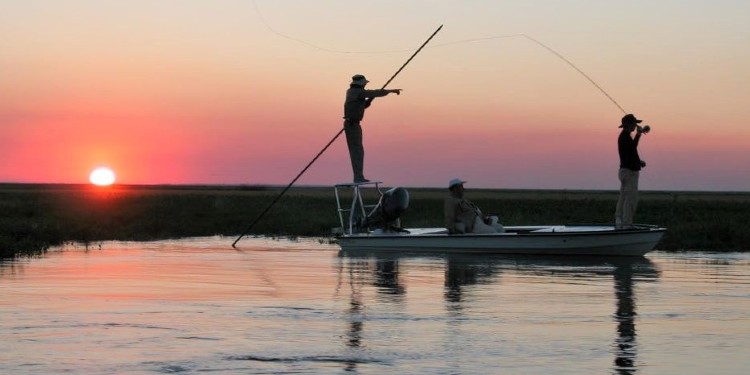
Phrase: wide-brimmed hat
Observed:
(359, 79)
(454, 182)
(629, 119)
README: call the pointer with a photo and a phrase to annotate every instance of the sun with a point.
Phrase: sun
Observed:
(102, 176)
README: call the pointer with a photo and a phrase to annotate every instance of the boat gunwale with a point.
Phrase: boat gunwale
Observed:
(611, 232)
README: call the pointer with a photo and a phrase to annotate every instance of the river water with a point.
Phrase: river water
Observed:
(278, 306)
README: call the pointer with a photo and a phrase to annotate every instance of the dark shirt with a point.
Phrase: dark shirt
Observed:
(356, 101)
(628, 149)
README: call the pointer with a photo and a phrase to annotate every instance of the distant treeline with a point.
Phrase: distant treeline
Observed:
(34, 217)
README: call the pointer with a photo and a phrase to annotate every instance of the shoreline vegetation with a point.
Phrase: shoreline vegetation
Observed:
(34, 217)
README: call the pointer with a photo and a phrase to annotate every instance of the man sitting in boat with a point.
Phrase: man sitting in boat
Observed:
(463, 216)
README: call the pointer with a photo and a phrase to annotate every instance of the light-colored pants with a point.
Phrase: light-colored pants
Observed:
(628, 201)
(353, 131)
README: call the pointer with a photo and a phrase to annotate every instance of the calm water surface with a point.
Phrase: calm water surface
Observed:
(280, 307)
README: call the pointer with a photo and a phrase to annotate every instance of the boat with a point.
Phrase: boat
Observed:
(380, 230)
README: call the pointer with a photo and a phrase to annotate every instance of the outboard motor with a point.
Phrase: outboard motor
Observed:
(388, 210)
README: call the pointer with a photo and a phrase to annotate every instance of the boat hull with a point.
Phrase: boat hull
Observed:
(549, 240)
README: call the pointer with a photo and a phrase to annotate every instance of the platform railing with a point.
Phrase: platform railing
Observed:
(357, 209)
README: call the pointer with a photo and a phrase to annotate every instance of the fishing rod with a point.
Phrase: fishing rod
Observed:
(326, 146)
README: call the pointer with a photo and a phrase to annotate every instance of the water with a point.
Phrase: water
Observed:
(280, 307)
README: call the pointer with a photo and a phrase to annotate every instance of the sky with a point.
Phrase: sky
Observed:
(249, 92)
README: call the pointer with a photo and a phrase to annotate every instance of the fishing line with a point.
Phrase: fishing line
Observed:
(463, 41)
(574, 67)
(324, 49)
(546, 47)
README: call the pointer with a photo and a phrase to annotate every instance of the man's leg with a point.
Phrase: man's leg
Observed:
(628, 201)
(621, 199)
(353, 132)
(631, 198)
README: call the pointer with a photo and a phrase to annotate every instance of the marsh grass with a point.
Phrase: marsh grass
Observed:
(35, 217)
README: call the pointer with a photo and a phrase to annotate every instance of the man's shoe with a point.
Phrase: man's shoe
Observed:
(360, 180)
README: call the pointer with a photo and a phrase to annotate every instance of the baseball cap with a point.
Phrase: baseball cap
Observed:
(454, 182)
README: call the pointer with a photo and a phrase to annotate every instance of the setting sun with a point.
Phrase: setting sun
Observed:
(102, 176)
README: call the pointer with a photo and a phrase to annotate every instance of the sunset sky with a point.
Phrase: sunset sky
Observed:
(248, 92)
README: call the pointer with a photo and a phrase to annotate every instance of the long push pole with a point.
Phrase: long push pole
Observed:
(326, 147)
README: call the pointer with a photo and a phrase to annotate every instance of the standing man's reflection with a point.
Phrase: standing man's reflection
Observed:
(625, 316)
(625, 343)
(357, 268)
(384, 275)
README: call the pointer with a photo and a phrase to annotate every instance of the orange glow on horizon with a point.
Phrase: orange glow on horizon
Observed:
(102, 176)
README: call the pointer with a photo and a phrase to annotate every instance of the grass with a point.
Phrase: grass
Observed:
(35, 217)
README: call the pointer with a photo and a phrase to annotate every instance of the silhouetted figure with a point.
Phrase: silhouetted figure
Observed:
(357, 99)
(630, 166)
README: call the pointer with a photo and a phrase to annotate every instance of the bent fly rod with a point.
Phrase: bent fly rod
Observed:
(326, 146)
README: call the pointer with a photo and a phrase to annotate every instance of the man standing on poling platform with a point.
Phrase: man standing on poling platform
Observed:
(357, 99)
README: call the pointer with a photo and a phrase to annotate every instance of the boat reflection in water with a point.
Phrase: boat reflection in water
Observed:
(463, 272)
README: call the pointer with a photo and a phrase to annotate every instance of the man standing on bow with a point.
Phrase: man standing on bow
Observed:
(357, 99)
(630, 166)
